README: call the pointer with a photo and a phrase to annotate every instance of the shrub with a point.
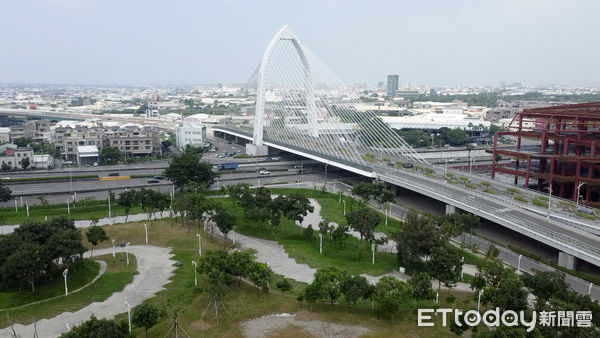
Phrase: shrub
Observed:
(450, 298)
(520, 198)
(308, 233)
(470, 185)
(284, 285)
(242, 156)
(539, 202)
(584, 215)
(513, 190)
(486, 184)
(464, 179)
(490, 191)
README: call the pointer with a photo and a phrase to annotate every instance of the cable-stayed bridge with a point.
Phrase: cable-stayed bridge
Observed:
(302, 108)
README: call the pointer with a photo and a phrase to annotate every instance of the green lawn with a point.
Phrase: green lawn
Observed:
(81, 210)
(78, 276)
(116, 277)
(307, 251)
(241, 302)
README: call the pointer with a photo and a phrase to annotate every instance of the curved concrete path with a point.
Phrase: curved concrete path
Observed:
(101, 271)
(155, 267)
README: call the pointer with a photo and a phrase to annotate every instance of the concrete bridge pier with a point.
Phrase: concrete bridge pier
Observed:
(255, 150)
(567, 261)
(450, 209)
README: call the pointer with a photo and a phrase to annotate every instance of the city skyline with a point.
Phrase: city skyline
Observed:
(460, 44)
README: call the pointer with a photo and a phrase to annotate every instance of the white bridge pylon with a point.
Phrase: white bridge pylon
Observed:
(301, 104)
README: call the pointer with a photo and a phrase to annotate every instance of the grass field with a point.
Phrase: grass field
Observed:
(81, 210)
(116, 277)
(78, 276)
(242, 302)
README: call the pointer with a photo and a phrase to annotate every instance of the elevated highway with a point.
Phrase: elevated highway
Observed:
(574, 238)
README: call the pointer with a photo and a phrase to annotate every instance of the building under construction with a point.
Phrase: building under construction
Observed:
(563, 156)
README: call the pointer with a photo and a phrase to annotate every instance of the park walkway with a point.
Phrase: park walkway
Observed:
(155, 268)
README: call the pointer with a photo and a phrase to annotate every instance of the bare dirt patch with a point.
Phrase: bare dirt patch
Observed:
(200, 325)
(286, 325)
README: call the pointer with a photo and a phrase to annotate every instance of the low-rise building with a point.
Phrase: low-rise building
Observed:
(4, 135)
(190, 134)
(133, 140)
(87, 155)
(13, 156)
(43, 161)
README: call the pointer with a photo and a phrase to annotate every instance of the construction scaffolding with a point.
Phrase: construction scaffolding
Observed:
(565, 161)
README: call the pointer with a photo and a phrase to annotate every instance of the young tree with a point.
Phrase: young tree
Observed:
(97, 328)
(421, 286)
(110, 155)
(508, 295)
(445, 265)
(416, 239)
(127, 199)
(353, 288)
(24, 266)
(389, 294)
(145, 315)
(339, 235)
(5, 167)
(296, 207)
(225, 222)
(25, 163)
(545, 285)
(364, 221)
(329, 280)
(187, 168)
(95, 235)
(260, 274)
(364, 190)
(238, 264)
(5, 193)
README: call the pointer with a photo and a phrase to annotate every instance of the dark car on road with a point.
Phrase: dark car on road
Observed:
(159, 177)
(113, 174)
(153, 181)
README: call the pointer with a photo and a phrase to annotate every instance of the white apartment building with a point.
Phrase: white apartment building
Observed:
(190, 133)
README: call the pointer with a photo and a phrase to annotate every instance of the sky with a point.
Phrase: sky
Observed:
(454, 43)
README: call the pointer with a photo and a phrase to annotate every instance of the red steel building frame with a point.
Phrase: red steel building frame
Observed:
(568, 156)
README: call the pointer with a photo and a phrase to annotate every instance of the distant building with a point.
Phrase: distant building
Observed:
(133, 140)
(152, 111)
(4, 135)
(43, 161)
(392, 86)
(87, 155)
(11, 155)
(192, 134)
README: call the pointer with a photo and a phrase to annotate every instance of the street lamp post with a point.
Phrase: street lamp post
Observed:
(109, 210)
(68, 207)
(578, 188)
(549, 201)
(114, 250)
(519, 264)
(127, 252)
(479, 299)
(320, 243)
(386, 216)
(146, 230)
(65, 273)
(373, 253)
(195, 273)
(344, 207)
(27, 208)
(590, 289)
(128, 314)
(233, 236)
(199, 244)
